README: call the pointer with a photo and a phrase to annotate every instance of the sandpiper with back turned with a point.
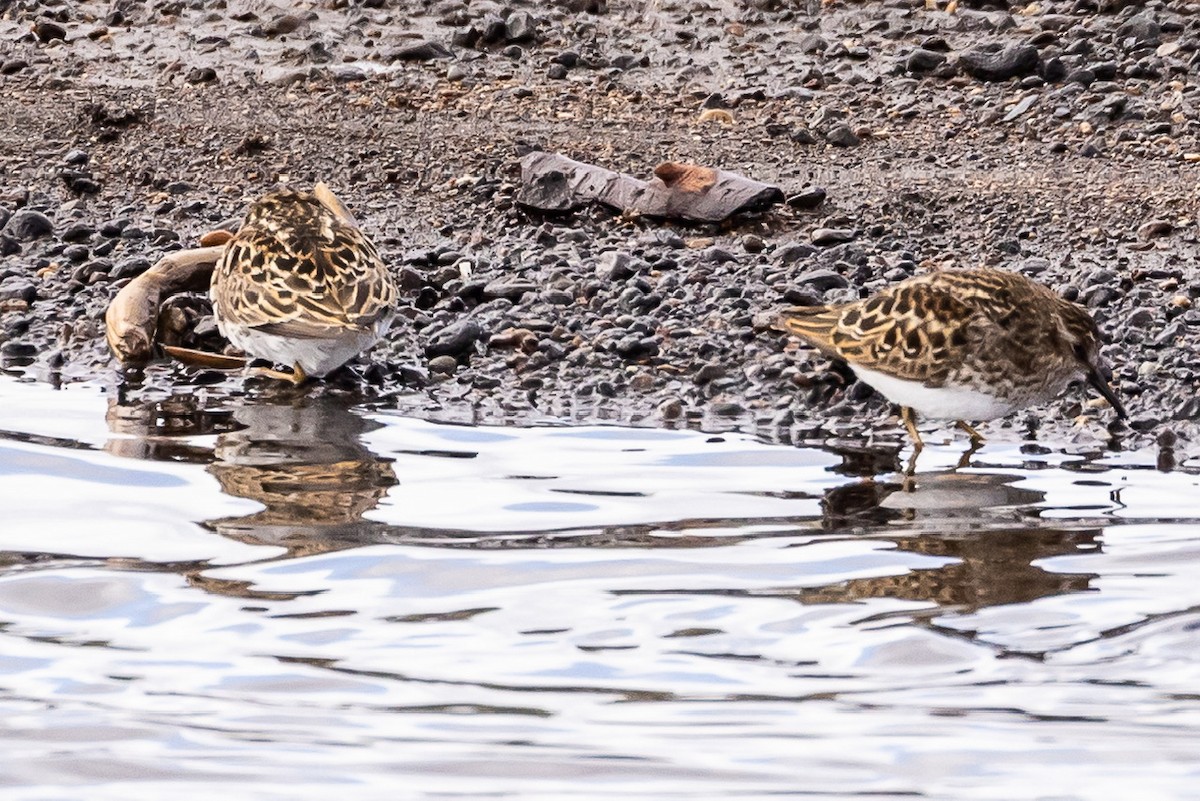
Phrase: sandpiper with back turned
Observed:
(301, 285)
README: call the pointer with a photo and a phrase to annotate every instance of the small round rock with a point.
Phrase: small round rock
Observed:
(443, 365)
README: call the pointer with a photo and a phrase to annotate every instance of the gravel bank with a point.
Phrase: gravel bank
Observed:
(1061, 139)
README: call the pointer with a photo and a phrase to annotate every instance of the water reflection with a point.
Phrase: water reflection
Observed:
(505, 610)
(302, 458)
(306, 461)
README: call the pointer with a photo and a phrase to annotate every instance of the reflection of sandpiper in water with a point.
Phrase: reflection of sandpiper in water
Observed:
(975, 518)
(305, 462)
(303, 459)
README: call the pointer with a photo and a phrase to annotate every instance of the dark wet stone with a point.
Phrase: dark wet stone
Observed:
(1154, 229)
(568, 58)
(1104, 70)
(822, 280)
(130, 268)
(348, 74)
(47, 31)
(801, 297)
(558, 297)
(8, 245)
(1082, 76)
(808, 198)
(16, 349)
(789, 254)
(80, 181)
(521, 26)
(444, 365)
(18, 288)
(803, 136)
(78, 232)
(922, 60)
(832, 236)
(717, 255)
(727, 409)
(200, 75)
(709, 372)
(1142, 318)
(1142, 30)
(76, 157)
(27, 225)
(616, 265)
(12, 66)
(455, 339)
(507, 288)
(421, 51)
(636, 347)
(280, 25)
(990, 64)
(76, 253)
(753, 243)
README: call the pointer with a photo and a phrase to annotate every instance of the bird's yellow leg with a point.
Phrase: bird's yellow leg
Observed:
(298, 375)
(910, 424)
(976, 437)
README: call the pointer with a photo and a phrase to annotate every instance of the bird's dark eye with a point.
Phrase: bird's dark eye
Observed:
(1081, 353)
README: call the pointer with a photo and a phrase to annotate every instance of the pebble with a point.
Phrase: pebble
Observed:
(27, 225)
(822, 280)
(709, 372)
(201, 75)
(842, 136)
(808, 198)
(831, 236)
(47, 31)
(670, 409)
(1154, 228)
(989, 63)
(281, 25)
(922, 60)
(1142, 30)
(421, 51)
(508, 288)
(615, 265)
(455, 339)
(443, 365)
(18, 288)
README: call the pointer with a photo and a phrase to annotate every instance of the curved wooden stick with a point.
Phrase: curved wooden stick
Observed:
(132, 316)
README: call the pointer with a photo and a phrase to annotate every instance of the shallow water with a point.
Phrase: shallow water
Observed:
(278, 598)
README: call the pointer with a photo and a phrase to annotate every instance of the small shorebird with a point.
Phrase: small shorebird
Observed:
(301, 285)
(960, 345)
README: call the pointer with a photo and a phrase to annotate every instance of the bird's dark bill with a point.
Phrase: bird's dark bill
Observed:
(1100, 385)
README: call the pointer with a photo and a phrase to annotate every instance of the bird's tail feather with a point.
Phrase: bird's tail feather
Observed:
(813, 324)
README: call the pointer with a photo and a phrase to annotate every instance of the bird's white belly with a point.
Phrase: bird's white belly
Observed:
(939, 403)
(316, 357)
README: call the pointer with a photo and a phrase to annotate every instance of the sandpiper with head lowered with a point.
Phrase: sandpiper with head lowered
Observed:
(301, 285)
(960, 345)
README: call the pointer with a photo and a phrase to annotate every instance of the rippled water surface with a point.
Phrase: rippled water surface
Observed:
(291, 599)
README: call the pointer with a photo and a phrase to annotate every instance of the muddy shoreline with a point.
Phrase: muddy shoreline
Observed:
(1056, 138)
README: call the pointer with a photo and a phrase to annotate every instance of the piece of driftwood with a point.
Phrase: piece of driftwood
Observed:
(202, 358)
(555, 183)
(132, 317)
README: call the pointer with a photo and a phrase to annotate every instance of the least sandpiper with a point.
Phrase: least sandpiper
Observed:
(301, 285)
(960, 345)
